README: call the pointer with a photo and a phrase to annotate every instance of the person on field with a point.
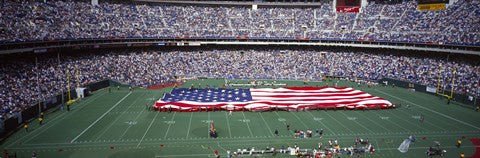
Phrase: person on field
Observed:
(459, 143)
(25, 126)
(276, 132)
(40, 120)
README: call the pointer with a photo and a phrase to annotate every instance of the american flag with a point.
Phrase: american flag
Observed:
(264, 99)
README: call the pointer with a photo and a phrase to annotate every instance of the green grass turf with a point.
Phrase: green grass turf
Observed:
(117, 124)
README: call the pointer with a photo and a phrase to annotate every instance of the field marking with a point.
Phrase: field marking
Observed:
(228, 124)
(394, 123)
(236, 140)
(170, 124)
(301, 121)
(401, 110)
(357, 122)
(209, 125)
(136, 118)
(409, 122)
(189, 124)
(339, 122)
(251, 134)
(374, 122)
(153, 120)
(73, 140)
(116, 119)
(189, 155)
(55, 121)
(462, 122)
(269, 129)
(322, 124)
(284, 122)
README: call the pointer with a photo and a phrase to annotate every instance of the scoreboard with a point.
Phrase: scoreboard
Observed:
(349, 3)
(432, 1)
(432, 5)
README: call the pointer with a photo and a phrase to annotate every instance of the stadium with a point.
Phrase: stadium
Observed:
(239, 78)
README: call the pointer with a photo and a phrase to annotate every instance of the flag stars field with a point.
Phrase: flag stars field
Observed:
(114, 123)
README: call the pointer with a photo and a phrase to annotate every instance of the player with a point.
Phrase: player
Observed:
(288, 127)
(25, 126)
(230, 113)
(42, 115)
(462, 155)
(40, 120)
(215, 153)
(459, 143)
(276, 132)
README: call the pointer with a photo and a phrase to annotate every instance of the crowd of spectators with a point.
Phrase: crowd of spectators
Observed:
(69, 19)
(23, 81)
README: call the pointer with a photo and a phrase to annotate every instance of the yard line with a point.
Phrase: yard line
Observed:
(339, 122)
(322, 123)
(228, 124)
(357, 122)
(299, 119)
(57, 119)
(266, 124)
(136, 118)
(169, 124)
(251, 134)
(283, 122)
(190, 155)
(425, 121)
(465, 123)
(209, 124)
(153, 120)
(393, 123)
(395, 136)
(374, 122)
(73, 140)
(116, 119)
(189, 124)
(401, 118)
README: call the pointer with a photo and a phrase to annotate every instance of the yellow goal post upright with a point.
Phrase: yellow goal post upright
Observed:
(70, 100)
(440, 91)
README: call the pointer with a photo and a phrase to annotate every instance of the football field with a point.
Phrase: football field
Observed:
(118, 124)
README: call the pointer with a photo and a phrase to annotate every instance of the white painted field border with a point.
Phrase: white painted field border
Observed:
(149, 126)
(73, 140)
(95, 144)
(441, 114)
